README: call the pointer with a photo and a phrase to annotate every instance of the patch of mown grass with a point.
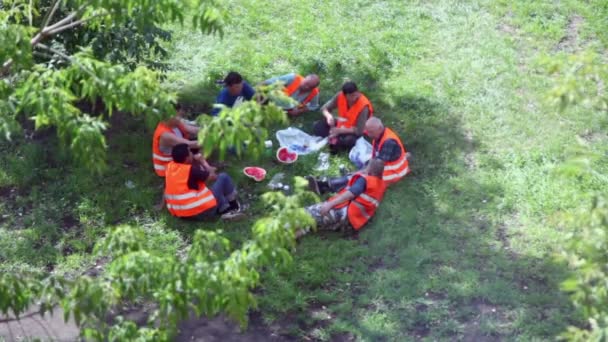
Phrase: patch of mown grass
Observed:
(470, 230)
(461, 249)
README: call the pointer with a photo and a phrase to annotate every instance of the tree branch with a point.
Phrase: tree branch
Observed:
(50, 15)
(45, 31)
(71, 60)
(68, 26)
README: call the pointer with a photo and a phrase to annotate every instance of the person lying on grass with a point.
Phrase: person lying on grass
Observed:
(169, 133)
(304, 90)
(353, 111)
(187, 195)
(354, 205)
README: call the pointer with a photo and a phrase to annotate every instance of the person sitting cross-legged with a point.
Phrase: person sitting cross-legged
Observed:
(354, 205)
(186, 192)
(353, 111)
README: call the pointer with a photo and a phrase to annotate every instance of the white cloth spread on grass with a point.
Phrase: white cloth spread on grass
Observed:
(299, 141)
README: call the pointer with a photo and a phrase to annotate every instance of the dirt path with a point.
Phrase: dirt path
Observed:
(33, 326)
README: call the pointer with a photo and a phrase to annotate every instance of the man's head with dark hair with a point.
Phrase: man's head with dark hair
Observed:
(179, 110)
(350, 90)
(349, 87)
(233, 77)
(376, 167)
(234, 83)
(180, 153)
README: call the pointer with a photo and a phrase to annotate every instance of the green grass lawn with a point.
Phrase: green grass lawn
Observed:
(460, 249)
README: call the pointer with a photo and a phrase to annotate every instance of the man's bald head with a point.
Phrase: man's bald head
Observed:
(374, 127)
(310, 82)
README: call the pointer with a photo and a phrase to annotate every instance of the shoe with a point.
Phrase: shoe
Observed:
(313, 185)
(233, 215)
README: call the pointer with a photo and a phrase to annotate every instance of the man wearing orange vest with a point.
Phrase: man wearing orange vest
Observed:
(387, 147)
(353, 110)
(169, 133)
(186, 194)
(354, 205)
(304, 90)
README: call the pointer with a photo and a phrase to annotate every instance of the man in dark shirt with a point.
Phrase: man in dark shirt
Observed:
(223, 188)
(389, 152)
(235, 91)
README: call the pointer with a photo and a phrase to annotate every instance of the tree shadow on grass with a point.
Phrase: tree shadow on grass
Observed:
(449, 270)
(435, 261)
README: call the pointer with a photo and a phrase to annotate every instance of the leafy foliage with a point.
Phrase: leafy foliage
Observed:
(68, 69)
(245, 127)
(207, 278)
(582, 80)
(585, 253)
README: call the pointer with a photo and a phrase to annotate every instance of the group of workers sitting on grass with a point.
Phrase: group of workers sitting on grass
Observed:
(357, 195)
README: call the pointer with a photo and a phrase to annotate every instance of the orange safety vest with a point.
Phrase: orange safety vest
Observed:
(394, 170)
(291, 88)
(350, 115)
(363, 207)
(181, 200)
(159, 159)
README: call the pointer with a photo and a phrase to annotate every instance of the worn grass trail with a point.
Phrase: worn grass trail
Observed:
(461, 249)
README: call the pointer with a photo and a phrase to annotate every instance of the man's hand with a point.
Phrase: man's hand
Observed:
(325, 208)
(335, 131)
(212, 175)
(330, 121)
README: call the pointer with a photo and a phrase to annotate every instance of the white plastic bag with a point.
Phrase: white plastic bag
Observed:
(361, 153)
(299, 141)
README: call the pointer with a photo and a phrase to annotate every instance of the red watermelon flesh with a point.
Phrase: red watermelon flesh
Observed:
(285, 156)
(254, 172)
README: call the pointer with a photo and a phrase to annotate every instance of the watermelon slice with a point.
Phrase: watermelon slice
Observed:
(285, 156)
(257, 173)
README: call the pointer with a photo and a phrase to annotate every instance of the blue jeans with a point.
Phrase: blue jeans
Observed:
(224, 191)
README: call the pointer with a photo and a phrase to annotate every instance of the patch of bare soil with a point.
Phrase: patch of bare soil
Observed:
(221, 329)
(31, 326)
(472, 330)
(570, 42)
(469, 157)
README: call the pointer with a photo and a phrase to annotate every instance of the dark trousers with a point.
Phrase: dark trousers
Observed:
(345, 141)
(224, 192)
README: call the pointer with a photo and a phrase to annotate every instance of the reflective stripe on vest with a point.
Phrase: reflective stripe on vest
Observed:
(361, 210)
(187, 195)
(159, 159)
(363, 207)
(370, 199)
(190, 205)
(397, 169)
(162, 158)
(181, 200)
(293, 87)
(348, 116)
